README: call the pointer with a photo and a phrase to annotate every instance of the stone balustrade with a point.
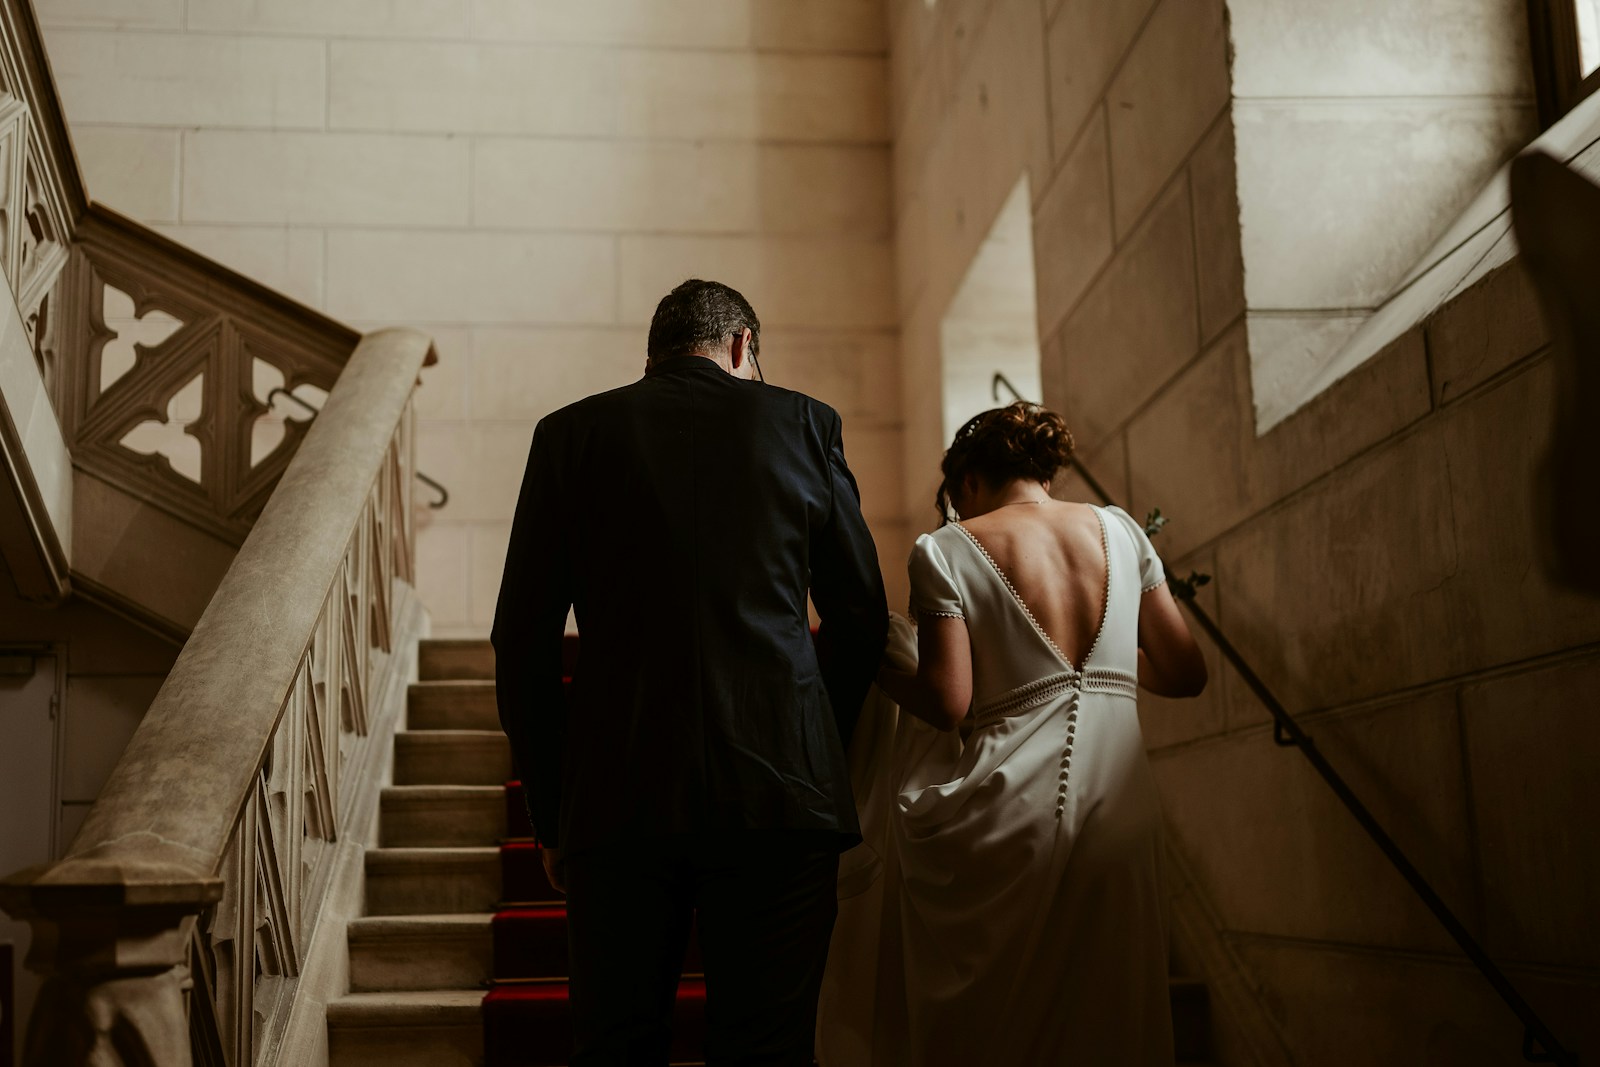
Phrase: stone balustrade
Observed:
(182, 912)
(180, 923)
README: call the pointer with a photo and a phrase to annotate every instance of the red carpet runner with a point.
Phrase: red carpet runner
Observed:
(526, 1022)
(525, 1016)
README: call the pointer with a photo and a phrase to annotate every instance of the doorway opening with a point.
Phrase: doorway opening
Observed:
(32, 682)
(992, 325)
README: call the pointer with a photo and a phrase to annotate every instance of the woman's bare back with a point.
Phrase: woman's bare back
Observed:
(1054, 556)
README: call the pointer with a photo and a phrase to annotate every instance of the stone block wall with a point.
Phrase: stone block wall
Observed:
(524, 180)
(1374, 553)
(1376, 560)
(1363, 130)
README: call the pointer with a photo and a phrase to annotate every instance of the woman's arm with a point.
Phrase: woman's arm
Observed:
(940, 692)
(1170, 662)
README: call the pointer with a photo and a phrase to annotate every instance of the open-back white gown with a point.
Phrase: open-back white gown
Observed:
(1014, 912)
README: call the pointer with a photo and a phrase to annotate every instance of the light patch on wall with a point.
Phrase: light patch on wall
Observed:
(991, 326)
(1588, 36)
(1362, 132)
(1478, 242)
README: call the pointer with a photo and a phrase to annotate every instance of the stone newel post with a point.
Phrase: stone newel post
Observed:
(111, 937)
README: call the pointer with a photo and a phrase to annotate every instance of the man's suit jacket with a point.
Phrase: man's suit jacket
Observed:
(684, 518)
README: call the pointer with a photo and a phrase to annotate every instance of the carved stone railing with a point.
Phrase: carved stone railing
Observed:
(41, 191)
(182, 913)
(163, 364)
(141, 322)
(159, 364)
(178, 926)
(41, 200)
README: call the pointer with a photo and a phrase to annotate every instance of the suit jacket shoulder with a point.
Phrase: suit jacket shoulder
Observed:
(611, 401)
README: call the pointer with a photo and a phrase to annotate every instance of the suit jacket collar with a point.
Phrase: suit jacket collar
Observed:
(683, 365)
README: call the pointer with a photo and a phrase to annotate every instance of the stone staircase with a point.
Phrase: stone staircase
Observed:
(423, 956)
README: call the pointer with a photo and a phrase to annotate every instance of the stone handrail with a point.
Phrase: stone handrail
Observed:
(205, 852)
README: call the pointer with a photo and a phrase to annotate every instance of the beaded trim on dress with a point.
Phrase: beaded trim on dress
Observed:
(1096, 680)
(1111, 680)
(1026, 696)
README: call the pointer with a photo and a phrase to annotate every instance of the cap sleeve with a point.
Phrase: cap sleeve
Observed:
(933, 588)
(1151, 573)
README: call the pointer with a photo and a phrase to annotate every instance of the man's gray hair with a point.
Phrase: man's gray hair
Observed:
(698, 316)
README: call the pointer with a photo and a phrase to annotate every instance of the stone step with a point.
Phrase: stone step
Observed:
(452, 705)
(432, 881)
(455, 659)
(418, 1028)
(417, 952)
(442, 816)
(432, 1028)
(433, 959)
(451, 757)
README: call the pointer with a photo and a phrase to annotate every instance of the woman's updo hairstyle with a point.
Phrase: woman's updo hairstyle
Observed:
(1020, 440)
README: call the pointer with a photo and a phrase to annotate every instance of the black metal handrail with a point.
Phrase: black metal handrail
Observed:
(444, 494)
(1539, 1044)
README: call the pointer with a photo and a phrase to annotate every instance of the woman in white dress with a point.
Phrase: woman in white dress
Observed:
(1022, 868)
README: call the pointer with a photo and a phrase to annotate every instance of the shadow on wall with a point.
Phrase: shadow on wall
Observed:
(1557, 218)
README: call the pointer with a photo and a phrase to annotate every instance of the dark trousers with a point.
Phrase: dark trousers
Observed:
(763, 905)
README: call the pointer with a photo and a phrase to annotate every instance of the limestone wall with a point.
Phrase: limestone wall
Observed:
(524, 181)
(1374, 554)
(1363, 130)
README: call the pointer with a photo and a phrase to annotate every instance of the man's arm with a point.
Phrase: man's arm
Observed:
(847, 589)
(529, 623)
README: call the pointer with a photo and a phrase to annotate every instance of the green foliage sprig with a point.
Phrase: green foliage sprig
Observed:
(1182, 588)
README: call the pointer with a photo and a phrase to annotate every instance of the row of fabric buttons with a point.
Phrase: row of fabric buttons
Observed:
(1066, 761)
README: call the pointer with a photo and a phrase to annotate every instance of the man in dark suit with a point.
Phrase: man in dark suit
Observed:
(699, 772)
